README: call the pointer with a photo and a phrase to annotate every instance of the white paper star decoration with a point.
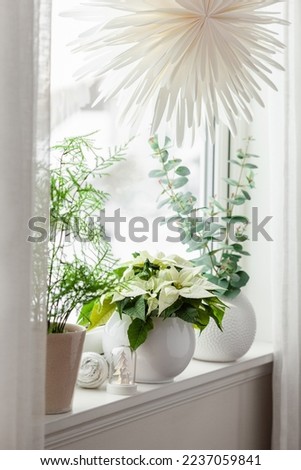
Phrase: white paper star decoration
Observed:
(185, 60)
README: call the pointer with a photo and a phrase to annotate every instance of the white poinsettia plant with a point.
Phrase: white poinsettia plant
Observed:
(158, 286)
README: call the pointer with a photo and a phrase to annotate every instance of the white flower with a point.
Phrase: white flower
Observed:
(132, 289)
(186, 283)
(160, 259)
(187, 61)
(165, 286)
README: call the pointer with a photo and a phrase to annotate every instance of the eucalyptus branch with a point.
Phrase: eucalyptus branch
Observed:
(219, 245)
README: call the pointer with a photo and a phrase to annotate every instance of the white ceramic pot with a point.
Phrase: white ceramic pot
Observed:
(93, 340)
(166, 352)
(164, 355)
(115, 333)
(239, 329)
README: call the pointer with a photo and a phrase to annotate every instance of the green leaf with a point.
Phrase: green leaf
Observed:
(234, 278)
(252, 155)
(237, 247)
(164, 181)
(215, 227)
(238, 201)
(241, 237)
(200, 226)
(84, 316)
(138, 331)
(251, 166)
(180, 182)
(156, 174)
(205, 260)
(175, 307)
(202, 319)
(120, 271)
(216, 310)
(167, 142)
(134, 308)
(227, 247)
(247, 195)
(183, 171)
(188, 313)
(232, 182)
(153, 142)
(163, 156)
(194, 245)
(223, 283)
(102, 312)
(236, 219)
(170, 165)
(241, 280)
(231, 293)
(241, 155)
(218, 205)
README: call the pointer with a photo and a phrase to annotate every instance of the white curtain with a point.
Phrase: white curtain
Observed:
(24, 132)
(285, 167)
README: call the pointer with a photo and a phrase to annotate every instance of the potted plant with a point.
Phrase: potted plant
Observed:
(154, 307)
(80, 260)
(217, 235)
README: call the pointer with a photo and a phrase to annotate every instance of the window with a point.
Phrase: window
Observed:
(133, 194)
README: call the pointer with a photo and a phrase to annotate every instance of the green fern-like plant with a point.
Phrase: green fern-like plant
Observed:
(80, 259)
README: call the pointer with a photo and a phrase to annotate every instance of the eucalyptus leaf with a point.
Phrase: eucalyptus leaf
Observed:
(246, 195)
(170, 165)
(153, 142)
(232, 182)
(251, 166)
(219, 205)
(183, 171)
(238, 201)
(156, 174)
(167, 142)
(252, 155)
(242, 280)
(180, 182)
(236, 219)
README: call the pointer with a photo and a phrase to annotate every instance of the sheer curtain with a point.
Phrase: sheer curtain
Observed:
(24, 132)
(285, 167)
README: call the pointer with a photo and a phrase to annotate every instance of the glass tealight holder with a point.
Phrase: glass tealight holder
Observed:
(122, 368)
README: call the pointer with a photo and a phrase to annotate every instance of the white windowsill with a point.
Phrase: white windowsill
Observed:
(97, 409)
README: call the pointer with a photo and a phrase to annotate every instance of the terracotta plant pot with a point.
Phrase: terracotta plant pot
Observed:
(63, 358)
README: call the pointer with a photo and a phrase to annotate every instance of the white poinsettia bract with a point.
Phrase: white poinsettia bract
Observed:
(185, 61)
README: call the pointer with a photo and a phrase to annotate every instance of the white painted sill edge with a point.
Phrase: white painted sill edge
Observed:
(97, 409)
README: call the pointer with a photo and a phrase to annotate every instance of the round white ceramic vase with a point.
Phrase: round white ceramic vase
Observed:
(93, 340)
(239, 329)
(166, 352)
